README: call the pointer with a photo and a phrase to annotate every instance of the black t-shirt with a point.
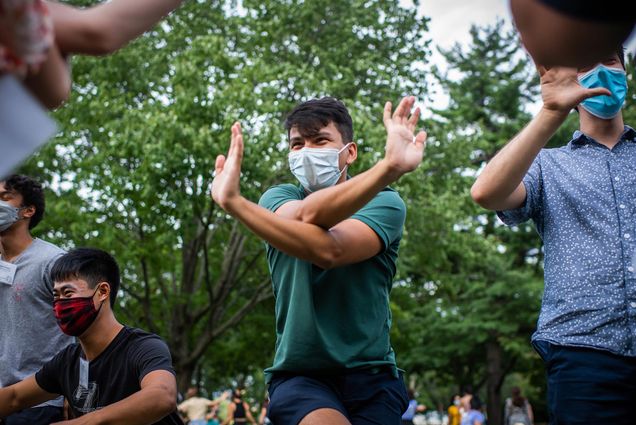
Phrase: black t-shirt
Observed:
(112, 376)
(594, 10)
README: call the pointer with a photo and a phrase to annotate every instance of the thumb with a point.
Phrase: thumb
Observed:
(219, 164)
(420, 139)
(597, 91)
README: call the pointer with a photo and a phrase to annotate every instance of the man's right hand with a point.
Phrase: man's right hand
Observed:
(561, 91)
(404, 151)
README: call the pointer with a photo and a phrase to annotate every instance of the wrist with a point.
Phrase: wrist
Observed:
(390, 172)
(555, 115)
(233, 205)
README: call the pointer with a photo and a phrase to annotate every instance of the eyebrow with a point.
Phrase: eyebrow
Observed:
(63, 287)
(320, 134)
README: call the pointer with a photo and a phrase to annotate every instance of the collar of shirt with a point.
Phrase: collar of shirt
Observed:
(580, 139)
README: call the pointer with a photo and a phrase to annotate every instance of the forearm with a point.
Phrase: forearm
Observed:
(8, 402)
(144, 407)
(296, 238)
(505, 172)
(52, 83)
(330, 206)
(106, 27)
(22, 395)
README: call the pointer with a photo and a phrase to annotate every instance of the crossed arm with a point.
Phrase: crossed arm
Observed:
(155, 400)
(318, 229)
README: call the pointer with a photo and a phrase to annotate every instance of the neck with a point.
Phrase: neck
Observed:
(606, 132)
(14, 241)
(100, 334)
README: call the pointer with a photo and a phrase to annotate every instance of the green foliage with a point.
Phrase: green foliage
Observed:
(130, 170)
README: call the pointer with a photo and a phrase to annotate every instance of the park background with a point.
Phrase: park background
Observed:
(130, 169)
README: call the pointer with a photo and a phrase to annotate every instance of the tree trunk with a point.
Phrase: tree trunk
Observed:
(496, 373)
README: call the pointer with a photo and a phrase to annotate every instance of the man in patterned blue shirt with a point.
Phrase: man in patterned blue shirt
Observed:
(582, 199)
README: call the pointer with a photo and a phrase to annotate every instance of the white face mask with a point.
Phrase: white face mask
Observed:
(316, 168)
(8, 215)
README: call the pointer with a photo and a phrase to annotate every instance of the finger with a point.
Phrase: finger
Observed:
(230, 151)
(420, 139)
(402, 108)
(387, 113)
(219, 164)
(239, 142)
(414, 118)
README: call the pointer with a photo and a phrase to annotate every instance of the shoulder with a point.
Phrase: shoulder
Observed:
(275, 196)
(65, 357)
(139, 337)
(47, 249)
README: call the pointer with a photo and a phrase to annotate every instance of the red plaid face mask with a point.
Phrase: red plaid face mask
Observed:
(75, 315)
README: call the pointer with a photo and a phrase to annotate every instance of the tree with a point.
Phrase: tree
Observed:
(130, 170)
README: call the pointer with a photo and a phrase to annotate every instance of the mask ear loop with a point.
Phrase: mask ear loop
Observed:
(346, 165)
(103, 301)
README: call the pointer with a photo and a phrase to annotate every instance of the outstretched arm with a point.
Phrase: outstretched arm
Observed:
(24, 394)
(156, 399)
(500, 186)
(107, 27)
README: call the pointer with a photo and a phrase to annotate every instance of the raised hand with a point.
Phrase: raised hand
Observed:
(561, 91)
(225, 186)
(404, 150)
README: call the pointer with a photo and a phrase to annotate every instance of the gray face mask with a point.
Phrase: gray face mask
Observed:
(8, 215)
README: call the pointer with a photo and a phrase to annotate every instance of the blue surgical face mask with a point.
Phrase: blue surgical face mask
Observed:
(316, 168)
(605, 107)
(8, 215)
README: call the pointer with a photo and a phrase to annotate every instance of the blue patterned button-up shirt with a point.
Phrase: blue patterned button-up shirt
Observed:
(582, 199)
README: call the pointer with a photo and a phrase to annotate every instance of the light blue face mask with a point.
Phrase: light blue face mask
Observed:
(316, 168)
(8, 215)
(605, 107)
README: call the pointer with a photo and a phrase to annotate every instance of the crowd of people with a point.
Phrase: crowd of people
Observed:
(332, 243)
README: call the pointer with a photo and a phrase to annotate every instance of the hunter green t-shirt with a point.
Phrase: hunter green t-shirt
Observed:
(330, 320)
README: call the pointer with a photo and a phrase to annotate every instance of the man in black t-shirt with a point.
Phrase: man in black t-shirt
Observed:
(575, 33)
(115, 374)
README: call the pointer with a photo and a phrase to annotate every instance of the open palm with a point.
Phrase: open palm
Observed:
(404, 150)
(561, 91)
(225, 186)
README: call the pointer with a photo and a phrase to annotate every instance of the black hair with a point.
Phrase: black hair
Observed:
(309, 117)
(620, 52)
(467, 389)
(89, 264)
(475, 403)
(32, 195)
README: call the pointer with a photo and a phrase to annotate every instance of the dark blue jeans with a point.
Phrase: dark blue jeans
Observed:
(589, 386)
(35, 416)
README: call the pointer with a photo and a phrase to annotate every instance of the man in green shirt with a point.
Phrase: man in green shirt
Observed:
(332, 246)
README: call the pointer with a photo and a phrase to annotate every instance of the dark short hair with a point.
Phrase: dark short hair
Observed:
(475, 403)
(89, 264)
(620, 52)
(309, 117)
(31, 192)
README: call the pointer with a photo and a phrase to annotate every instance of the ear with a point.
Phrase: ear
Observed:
(28, 212)
(352, 151)
(103, 291)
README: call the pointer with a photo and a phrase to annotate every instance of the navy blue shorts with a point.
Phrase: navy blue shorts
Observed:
(588, 386)
(369, 396)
